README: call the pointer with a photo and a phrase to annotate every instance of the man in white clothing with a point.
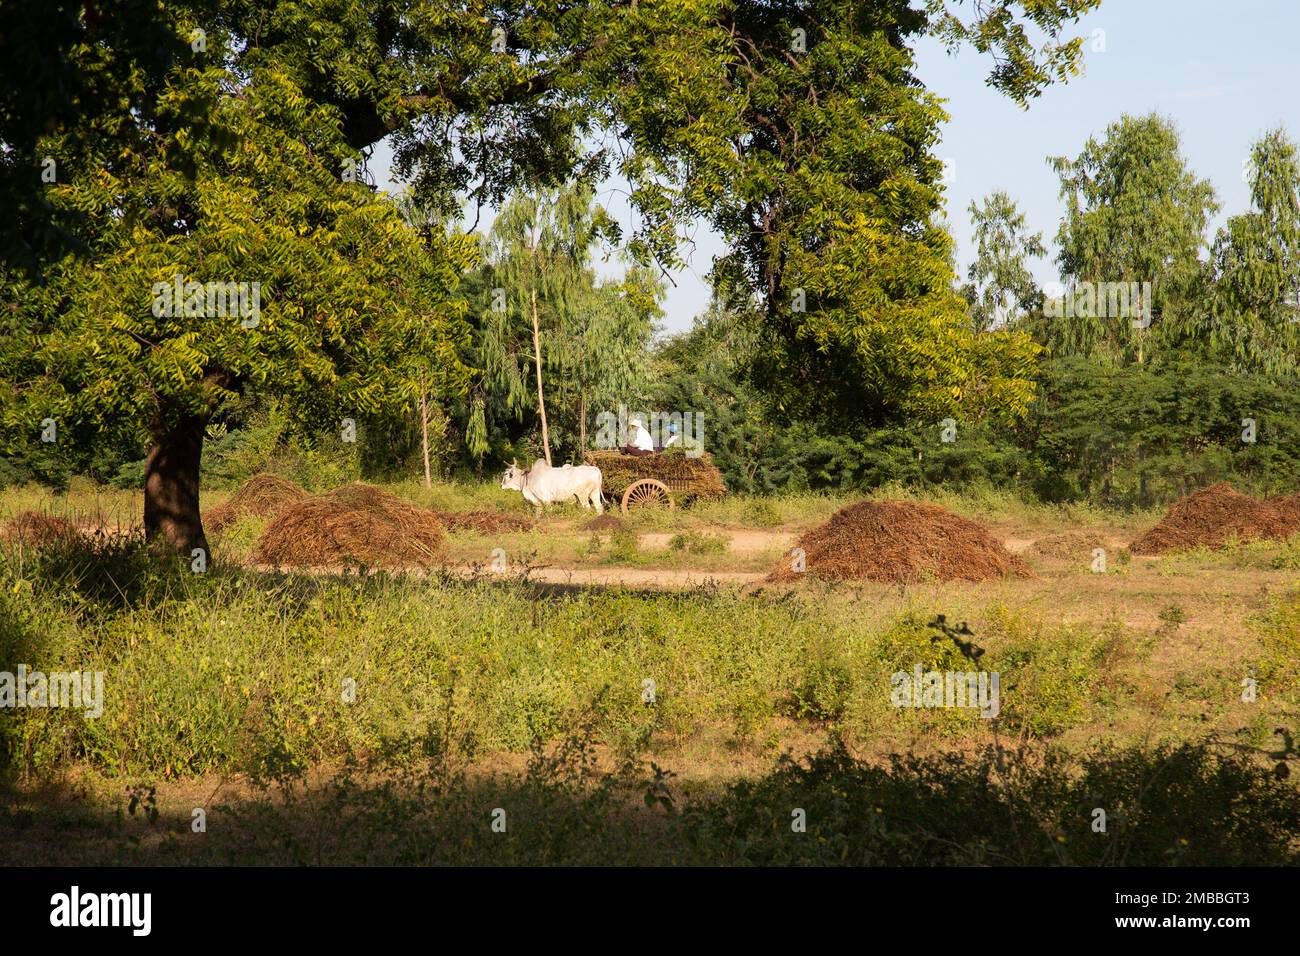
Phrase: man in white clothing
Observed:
(640, 437)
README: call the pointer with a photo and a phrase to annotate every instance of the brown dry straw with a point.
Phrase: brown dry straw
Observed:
(692, 477)
(605, 522)
(262, 495)
(484, 522)
(1067, 544)
(356, 523)
(1211, 517)
(901, 542)
(35, 529)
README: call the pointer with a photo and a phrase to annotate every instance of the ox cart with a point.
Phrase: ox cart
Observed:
(657, 479)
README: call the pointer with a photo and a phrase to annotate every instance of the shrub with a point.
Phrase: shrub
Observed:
(623, 546)
(1186, 806)
(698, 542)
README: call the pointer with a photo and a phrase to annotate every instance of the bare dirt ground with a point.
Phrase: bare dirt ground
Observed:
(741, 540)
(747, 545)
(659, 578)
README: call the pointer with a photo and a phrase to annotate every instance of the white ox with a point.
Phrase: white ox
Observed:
(544, 485)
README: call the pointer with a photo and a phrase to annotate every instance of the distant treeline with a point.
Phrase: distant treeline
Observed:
(1187, 379)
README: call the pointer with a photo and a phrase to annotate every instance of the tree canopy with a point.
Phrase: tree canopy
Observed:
(1134, 212)
(220, 141)
(1002, 288)
(1256, 320)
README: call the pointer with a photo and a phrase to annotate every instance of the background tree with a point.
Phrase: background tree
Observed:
(705, 370)
(1134, 212)
(1002, 289)
(578, 340)
(1136, 435)
(601, 350)
(539, 251)
(425, 286)
(1256, 319)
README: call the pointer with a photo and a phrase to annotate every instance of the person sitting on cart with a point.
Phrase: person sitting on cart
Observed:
(641, 443)
(673, 437)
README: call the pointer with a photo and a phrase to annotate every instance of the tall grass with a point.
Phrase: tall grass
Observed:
(233, 670)
(414, 681)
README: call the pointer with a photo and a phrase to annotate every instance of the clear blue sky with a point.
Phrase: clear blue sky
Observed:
(1224, 71)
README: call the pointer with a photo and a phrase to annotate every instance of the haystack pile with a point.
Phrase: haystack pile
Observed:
(356, 523)
(605, 522)
(1212, 516)
(618, 470)
(484, 522)
(261, 495)
(1067, 544)
(36, 529)
(901, 542)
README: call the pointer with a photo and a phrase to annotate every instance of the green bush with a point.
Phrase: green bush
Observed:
(623, 546)
(823, 692)
(1167, 806)
(699, 542)
(1049, 679)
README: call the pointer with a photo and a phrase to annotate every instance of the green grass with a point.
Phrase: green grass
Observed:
(461, 496)
(696, 542)
(83, 499)
(233, 670)
(756, 511)
(242, 675)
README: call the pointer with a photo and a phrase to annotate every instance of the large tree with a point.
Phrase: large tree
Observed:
(801, 133)
(1255, 322)
(799, 130)
(1135, 213)
(294, 280)
(1002, 290)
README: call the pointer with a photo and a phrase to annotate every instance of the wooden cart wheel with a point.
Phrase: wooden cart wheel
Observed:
(647, 491)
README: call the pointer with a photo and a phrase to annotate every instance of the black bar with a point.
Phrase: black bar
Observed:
(339, 905)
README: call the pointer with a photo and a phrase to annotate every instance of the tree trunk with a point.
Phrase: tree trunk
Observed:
(171, 485)
(582, 423)
(1141, 332)
(424, 433)
(1142, 476)
(537, 363)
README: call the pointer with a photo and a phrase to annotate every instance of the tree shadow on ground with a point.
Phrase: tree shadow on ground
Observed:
(1191, 805)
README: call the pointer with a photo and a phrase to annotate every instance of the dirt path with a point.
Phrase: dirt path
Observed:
(1018, 545)
(748, 545)
(665, 578)
(742, 540)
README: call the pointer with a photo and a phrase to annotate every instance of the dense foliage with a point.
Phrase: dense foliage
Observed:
(841, 351)
(222, 141)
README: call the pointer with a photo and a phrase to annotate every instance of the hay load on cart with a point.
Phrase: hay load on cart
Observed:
(660, 478)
